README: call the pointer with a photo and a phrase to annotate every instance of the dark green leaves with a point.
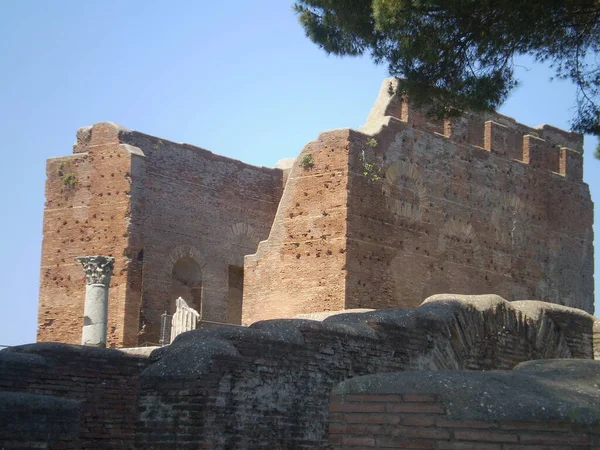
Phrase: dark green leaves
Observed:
(458, 54)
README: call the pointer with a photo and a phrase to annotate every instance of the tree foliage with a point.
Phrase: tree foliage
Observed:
(459, 54)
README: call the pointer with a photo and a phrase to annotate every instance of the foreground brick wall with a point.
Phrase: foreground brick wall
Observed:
(103, 385)
(266, 386)
(150, 203)
(414, 421)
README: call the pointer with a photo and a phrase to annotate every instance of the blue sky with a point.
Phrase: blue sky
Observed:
(238, 78)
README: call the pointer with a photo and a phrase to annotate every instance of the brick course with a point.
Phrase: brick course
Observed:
(404, 425)
(104, 383)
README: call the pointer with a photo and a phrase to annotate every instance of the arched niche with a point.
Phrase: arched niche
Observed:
(186, 282)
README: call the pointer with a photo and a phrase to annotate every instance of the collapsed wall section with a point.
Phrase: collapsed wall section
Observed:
(301, 267)
(471, 205)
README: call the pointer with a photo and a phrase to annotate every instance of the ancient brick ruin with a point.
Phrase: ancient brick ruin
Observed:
(437, 377)
(409, 207)
(529, 408)
(350, 239)
(383, 217)
(177, 219)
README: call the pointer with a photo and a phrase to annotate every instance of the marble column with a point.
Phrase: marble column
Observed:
(184, 319)
(98, 270)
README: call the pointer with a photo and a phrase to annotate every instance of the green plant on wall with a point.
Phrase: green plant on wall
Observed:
(67, 177)
(372, 142)
(307, 161)
(371, 171)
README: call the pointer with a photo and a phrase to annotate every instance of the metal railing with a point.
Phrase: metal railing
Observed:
(165, 322)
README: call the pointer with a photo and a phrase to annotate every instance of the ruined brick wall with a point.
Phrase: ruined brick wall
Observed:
(380, 218)
(177, 218)
(302, 266)
(88, 198)
(68, 397)
(266, 386)
(205, 208)
(414, 421)
(480, 204)
(538, 405)
(474, 205)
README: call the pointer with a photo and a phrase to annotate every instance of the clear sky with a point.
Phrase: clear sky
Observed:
(238, 78)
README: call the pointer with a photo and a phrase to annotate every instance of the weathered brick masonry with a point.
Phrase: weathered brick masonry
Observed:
(409, 207)
(267, 385)
(177, 218)
(60, 396)
(302, 266)
(416, 421)
(540, 405)
(378, 218)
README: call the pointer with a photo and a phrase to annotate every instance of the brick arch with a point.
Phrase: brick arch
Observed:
(459, 239)
(183, 251)
(243, 233)
(242, 236)
(403, 176)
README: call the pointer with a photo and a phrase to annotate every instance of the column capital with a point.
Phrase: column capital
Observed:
(98, 269)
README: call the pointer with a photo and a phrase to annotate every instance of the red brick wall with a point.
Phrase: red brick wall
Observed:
(147, 202)
(413, 207)
(105, 382)
(439, 209)
(203, 206)
(415, 421)
(90, 215)
(301, 268)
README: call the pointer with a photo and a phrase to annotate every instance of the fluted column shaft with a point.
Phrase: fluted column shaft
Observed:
(98, 270)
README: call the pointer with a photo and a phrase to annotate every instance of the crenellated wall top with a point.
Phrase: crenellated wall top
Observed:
(544, 147)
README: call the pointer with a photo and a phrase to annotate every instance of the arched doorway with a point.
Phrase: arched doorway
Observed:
(186, 282)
